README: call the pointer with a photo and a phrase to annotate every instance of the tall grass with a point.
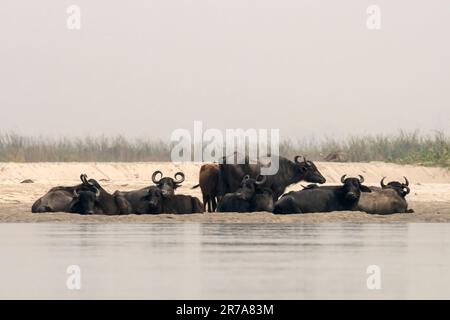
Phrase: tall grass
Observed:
(405, 148)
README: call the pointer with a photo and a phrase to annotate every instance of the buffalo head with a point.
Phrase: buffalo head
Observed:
(307, 171)
(402, 188)
(168, 185)
(84, 201)
(154, 200)
(249, 185)
(352, 187)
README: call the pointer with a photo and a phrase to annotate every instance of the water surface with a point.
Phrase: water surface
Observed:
(224, 260)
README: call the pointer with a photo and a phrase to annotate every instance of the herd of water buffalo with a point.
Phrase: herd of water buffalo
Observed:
(230, 187)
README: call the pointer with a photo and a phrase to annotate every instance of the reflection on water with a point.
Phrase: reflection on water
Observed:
(230, 261)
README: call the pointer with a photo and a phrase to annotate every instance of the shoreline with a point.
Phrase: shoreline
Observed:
(429, 197)
(20, 213)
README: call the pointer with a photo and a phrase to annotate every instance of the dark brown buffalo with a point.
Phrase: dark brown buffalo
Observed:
(388, 199)
(208, 181)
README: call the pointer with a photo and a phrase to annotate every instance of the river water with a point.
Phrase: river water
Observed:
(224, 261)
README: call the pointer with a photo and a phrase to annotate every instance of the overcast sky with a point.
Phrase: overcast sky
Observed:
(143, 68)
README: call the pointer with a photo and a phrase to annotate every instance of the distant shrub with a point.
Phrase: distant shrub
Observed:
(405, 148)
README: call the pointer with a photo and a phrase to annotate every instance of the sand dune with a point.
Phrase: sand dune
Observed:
(430, 187)
(141, 172)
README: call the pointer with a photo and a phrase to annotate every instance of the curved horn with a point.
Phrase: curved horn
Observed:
(406, 182)
(296, 159)
(154, 176)
(383, 185)
(361, 179)
(83, 178)
(97, 192)
(343, 178)
(408, 190)
(262, 181)
(181, 174)
(246, 177)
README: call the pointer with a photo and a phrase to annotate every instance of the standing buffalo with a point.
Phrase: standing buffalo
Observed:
(249, 197)
(179, 204)
(323, 199)
(387, 200)
(289, 172)
(208, 181)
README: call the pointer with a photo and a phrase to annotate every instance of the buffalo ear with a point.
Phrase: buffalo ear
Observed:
(365, 189)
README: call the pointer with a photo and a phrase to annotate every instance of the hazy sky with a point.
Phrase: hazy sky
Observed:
(144, 68)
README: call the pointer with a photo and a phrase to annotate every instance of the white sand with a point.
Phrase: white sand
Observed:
(430, 187)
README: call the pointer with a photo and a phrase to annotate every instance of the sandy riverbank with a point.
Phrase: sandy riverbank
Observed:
(430, 196)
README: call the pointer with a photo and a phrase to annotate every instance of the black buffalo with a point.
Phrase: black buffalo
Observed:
(402, 188)
(178, 204)
(96, 200)
(59, 199)
(249, 197)
(136, 201)
(168, 185)
(323, 199)
(133, 202)
(289, 172)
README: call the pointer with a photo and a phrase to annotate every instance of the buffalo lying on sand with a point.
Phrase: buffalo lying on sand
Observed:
(168, 185)
(136, 201)
(388, 199)
(323, 199)
(96, 200)
(59, 199)
(178, 204)
(251, 196)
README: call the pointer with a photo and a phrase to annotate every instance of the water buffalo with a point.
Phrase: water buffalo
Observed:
(289, 172)
(388, 199)
(166, 184)
(249, 197)
(58, 199)
(323, 199)
(208, 181)
(263, 200)
(402, 188)
(178, 204)
(94, 201)
(133, 202)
